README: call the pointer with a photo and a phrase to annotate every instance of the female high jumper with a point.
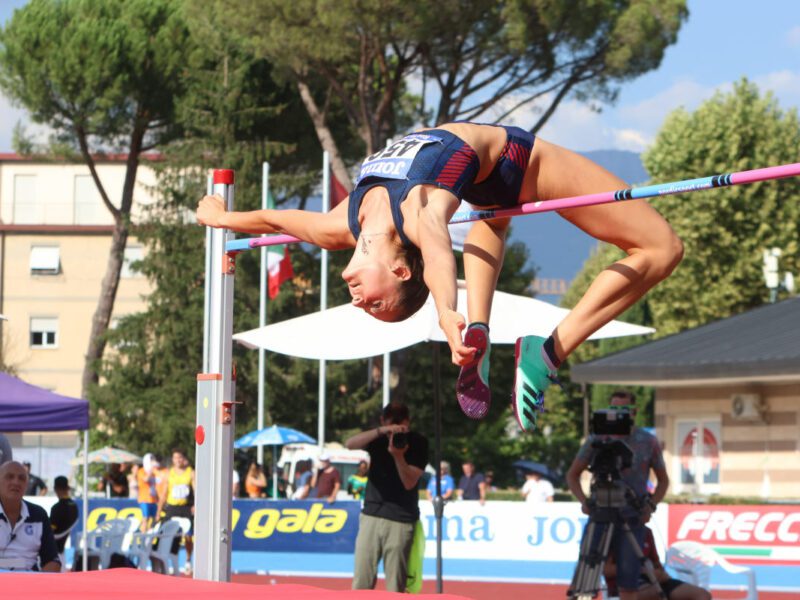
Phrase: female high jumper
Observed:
(396, 221)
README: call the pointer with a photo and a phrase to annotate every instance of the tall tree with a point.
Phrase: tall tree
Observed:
(479, 55)
(233, 115)
(104, 76)
(725, 230)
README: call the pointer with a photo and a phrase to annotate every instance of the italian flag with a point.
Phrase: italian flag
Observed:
(279, 266)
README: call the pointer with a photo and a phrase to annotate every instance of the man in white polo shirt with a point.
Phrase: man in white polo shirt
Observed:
(26, 538)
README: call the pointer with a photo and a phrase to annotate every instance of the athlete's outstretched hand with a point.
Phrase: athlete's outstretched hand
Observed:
(209, 210)
(453, 323)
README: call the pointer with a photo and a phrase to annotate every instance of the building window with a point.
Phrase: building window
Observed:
(44, 332)
(89, 207)
(27, 209)
(45, 260)
(698, 444)
(133, 254)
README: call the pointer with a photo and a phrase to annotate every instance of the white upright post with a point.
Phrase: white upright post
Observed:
(323, 299)
(387, 369)
(215, 409)
(262, 312)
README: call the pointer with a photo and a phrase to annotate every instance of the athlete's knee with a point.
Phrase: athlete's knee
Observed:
(666, 257)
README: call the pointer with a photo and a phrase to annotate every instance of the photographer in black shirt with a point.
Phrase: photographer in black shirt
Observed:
(391, 502)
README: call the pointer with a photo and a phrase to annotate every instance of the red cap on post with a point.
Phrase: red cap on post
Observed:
(223, 176)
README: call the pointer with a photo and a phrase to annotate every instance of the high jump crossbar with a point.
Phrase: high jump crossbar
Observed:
(648, 191)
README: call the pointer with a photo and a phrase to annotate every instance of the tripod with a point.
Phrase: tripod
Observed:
(607, 500)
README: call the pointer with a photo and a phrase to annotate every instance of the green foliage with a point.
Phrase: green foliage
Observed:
(96, 67)
(725, 230)
(232, 116)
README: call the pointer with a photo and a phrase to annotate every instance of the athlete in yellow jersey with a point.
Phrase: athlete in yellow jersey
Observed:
(177, 498)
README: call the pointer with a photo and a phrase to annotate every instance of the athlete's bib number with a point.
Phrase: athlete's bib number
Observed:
(180, 492)
(394, 161)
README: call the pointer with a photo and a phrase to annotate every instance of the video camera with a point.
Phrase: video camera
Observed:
(611, 457)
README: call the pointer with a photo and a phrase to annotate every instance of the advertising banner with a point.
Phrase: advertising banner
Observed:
(769, 534)
(512, 530)
(265, 525)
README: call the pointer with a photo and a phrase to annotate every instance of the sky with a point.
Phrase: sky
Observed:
(721, 42)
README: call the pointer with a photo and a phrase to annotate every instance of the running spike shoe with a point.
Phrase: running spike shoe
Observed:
(472, 387)
(531, 379)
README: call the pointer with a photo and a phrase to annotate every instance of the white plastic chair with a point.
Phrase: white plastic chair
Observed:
(162, 558)
(106, 540)
(693, 562)
(141, 546)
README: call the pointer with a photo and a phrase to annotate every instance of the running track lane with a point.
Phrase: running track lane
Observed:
(477, 590)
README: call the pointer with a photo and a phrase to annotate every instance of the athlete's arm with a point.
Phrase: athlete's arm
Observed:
(440, 271)
(326, 230)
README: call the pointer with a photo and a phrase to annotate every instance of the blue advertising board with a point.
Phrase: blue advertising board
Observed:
(264, 525)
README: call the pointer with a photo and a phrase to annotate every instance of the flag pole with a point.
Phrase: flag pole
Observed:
(323, 297)
(262, 312)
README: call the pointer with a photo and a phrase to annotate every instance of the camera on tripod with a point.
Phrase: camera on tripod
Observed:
(611, 457)
(612, 502)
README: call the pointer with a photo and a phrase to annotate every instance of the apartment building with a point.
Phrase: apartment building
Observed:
(55, 235)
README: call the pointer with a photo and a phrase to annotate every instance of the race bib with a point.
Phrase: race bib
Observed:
(180, 492)
(394, 161)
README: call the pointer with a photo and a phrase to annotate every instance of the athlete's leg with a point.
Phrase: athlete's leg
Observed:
(483, 259)
(484, 249)
(653, 250)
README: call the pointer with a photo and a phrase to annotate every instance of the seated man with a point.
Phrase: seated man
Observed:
(26, 539)
(673, 589)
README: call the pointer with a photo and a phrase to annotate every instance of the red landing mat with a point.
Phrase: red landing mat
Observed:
(124, 584)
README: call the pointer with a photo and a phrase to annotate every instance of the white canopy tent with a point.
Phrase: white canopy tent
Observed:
(346, 332)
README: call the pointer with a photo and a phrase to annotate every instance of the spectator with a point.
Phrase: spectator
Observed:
(36, 486)
(178, 499)
(255, 482)
(147, 486)
(63, 514)
(303, 476)
(132, 475)
(537, 489)
(673, 589)
(26, 537)
(391, 501)
(6, 453)
(488, 479)
(327, 480)
(471, 485)
(281, 480)
(115, 482)
(646, 456)
(447, 486)
(357, 482)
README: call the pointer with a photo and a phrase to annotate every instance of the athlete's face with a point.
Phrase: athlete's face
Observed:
(374, 288)
(179, 460)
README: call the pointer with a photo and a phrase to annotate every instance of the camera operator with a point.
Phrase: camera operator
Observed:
(391, 501)
(646, 456)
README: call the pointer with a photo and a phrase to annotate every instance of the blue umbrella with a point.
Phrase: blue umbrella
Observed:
(273, 436)
(535, 467)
